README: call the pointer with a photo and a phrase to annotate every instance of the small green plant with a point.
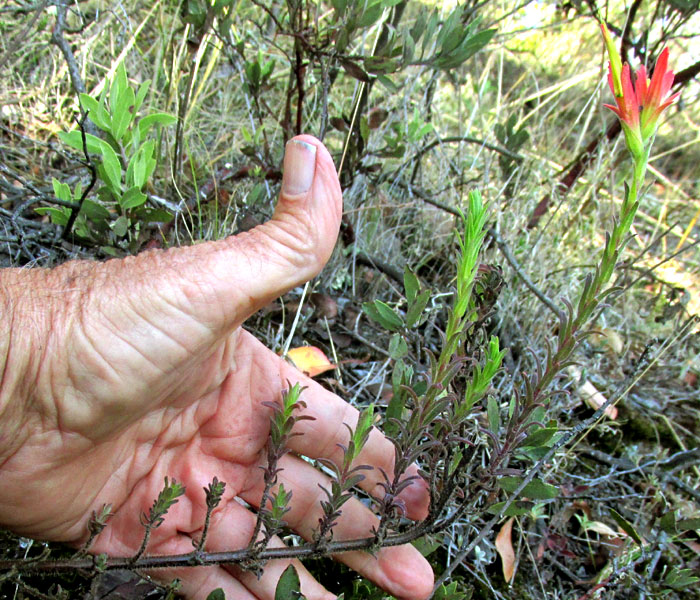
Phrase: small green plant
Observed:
(125, 165)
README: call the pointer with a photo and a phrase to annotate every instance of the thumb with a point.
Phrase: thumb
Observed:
(235, 277)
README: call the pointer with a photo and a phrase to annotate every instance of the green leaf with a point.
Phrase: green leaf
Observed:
(96, 112)
(112, 167)
(288, 587)
(133, 198)
(397, 347)
(58, 216)
(217, 594)
(411, 284)
(516, 509)
(388, 84)
(364, 128)
(426, 545)
(61, 190)
(468, 48)
(123, 114)
(151, 120)
(154, 215)
(680, 578)
(371, 14)
(120, 226)
(381, 66)
(536, 489)
(429, 31)
(688, 524)
(382, 314)
(141, 95)
(625, 526)
(141, 165)
(339, 7)
(415, 311)
(94, 211)
(74, 139)
(668, 522)
(492, 412)
(119, 84)
(540, 436)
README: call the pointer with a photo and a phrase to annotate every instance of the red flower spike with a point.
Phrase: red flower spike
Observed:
(649, 97)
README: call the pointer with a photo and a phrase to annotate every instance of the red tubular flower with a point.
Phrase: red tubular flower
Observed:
(649, 97)
(652, 98)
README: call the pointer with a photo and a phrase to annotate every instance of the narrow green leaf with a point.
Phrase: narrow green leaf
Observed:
(112, 167)
(415, 311)
(625, 526)
(141, 95)
(668, 522)
(429, 31)
(123, 114)
(388, 83)
(381, 66)
(217, 594)
(119, 84)
(411, 284)
(382, 314)
(516, 509)
(492, 412)
(140, 167)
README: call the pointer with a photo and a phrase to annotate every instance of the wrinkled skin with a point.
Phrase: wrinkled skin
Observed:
(117, 374)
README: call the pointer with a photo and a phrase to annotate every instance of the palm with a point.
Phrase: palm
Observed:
(148, 374)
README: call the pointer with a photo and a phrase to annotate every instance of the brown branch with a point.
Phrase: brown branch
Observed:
(218, 558)
(58, 40)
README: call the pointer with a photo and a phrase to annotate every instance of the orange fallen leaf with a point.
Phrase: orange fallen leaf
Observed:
(310, 360)
(504, 547)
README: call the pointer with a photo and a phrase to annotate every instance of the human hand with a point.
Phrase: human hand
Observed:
(118, 374)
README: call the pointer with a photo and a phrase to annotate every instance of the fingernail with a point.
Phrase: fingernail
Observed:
(299, 167)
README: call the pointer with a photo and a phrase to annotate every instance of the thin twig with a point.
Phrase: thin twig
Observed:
(93, 179)
(73, 70)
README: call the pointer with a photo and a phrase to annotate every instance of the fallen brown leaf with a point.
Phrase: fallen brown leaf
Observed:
(504, 547)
